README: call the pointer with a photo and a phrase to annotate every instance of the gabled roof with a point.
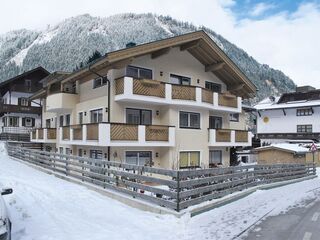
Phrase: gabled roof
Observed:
(39, 72)
(198, 44)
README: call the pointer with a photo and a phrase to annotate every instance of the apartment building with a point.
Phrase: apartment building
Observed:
(292, 117)
(173, 103)
(18, 115)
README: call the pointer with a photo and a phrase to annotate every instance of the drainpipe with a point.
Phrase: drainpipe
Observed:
(108, 83)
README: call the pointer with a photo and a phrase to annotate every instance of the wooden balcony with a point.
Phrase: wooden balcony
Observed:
(118, 134)
(229, 137)
(44, 135)
(124, 132)
(128, 89)
(4, 108)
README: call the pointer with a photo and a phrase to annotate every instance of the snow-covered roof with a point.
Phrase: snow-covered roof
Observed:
(268, 104)
(296, 148)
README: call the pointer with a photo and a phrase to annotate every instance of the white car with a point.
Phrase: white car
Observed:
(5, 224)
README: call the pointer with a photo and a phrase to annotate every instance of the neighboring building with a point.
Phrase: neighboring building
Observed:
(18, 115)
(291, 117)
(247, 156)
(285, 153)
(168, 106)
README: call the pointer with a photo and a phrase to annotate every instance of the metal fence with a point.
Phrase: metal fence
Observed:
(172, 189)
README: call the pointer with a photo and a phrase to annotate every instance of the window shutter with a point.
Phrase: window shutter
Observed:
(19, 101)
(23, 122)
(33, 122)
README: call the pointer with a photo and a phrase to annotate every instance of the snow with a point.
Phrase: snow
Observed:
(163, 26)
(298, 148)
(45, 207)
(268, 104)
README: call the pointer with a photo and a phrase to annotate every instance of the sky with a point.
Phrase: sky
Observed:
(284, 34)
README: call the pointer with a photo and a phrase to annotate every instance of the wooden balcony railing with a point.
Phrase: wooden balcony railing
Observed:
(241, 136)
(223, 135)
(228, 100)
(19, 109)
(119, 86)
(77, 132)
(66, 133)
(51, 133)
(183, 92)
(207, 96)
(149, 88)
(124, 132)
(93, 131)
(157, 133)
(40, 133)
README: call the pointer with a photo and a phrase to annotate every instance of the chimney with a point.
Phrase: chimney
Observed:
(304, 88)
(130, 44)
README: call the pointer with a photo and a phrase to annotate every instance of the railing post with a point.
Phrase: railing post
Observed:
(178, 191)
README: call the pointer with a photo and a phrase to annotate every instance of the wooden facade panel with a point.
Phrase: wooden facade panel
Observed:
(241, 136)
(183, 92)
(207, 96)
(228, 100)
(123, 132)
(66, 133)
(51, 133)
(157, 133)
(93, 131)
(149, 88)
(119, 86)
(223, 135)
(40, 133)
(77, 133)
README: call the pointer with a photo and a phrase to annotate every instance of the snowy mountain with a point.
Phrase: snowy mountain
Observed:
(74, 40)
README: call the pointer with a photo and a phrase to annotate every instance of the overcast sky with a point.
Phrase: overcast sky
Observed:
(284, 34)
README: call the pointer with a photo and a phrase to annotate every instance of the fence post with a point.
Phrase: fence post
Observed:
(178, 191)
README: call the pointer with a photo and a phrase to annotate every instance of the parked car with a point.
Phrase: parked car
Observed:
(5, 223)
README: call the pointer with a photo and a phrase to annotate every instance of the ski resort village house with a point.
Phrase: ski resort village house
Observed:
(292, 117)
(173, 103)
(18, 115)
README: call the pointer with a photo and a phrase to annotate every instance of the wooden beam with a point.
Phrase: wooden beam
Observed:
(121, 63)
(214, 67)
(237, 88)
(189, 45)
(160, 52)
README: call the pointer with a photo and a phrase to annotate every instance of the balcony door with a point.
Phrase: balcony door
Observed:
(181, 80)
(138, 116)
(215, 122)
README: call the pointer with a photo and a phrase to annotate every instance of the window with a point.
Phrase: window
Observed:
(141, 158)
(68, 151)
(96, 154)
(304, 112)
(96, 116)
(27, 122)
(23, 101)
(68, 120)
(189, 159)
(99, 82)
(234, 117)
(80, 117)
(181, 80)
(304, 128)
(138, 116)
(189, 120)
(80, 152)
(138, 72)
(11, 122)
(27, 84)
(47, 123)
(61, 121)
(215, 158)
(214, 87)
(215, 122)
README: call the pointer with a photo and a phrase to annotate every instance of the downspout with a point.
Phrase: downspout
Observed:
(108, 83)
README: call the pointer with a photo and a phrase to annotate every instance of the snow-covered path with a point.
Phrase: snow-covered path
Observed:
(45, 207)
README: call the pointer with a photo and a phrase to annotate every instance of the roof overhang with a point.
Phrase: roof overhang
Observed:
(198, 44)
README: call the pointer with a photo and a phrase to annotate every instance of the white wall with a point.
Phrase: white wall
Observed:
(280, 123)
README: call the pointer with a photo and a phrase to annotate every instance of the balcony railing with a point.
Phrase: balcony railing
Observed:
(118, 134)
(130, 89)
(229, 137)
(44, 135)
(19, 109)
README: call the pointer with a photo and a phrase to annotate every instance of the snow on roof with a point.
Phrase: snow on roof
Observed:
(267, 103)
(297, 148)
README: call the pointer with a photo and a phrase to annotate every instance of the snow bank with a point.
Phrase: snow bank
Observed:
(44, 207)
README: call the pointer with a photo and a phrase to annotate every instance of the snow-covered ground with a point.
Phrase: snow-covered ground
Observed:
(45, 207)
